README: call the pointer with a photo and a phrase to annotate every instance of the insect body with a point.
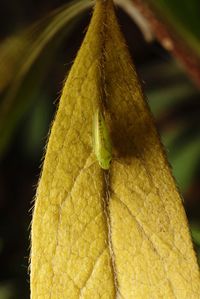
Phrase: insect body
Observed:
(101, 141)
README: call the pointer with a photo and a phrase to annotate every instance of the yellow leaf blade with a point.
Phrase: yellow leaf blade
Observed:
(122, 234)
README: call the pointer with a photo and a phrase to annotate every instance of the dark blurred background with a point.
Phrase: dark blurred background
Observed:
(173, 97)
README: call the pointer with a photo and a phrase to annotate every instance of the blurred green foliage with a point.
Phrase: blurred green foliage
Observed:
(32, 53)
(183, 16)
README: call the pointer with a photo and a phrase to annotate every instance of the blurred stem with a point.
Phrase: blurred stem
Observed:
(138, 18)
(170, 40)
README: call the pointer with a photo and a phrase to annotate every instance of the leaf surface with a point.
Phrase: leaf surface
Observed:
(121, 234)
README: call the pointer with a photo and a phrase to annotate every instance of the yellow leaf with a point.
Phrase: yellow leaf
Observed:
(121, 234)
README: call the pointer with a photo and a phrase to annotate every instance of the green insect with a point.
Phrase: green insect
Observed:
(101, 141)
